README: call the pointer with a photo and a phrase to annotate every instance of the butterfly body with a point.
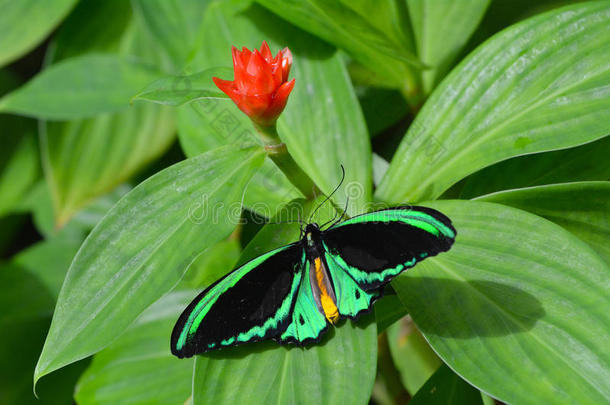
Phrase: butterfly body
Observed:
(294, 293)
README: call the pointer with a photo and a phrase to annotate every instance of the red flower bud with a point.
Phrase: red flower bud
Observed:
(260, 88)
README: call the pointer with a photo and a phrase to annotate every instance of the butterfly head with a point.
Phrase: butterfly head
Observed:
(312, 233)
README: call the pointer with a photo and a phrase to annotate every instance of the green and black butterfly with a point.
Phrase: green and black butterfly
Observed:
(292, 294)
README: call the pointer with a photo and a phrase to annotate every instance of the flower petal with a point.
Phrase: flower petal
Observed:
(227, 87)
(280, 98)
(266, 52)
(286, 63)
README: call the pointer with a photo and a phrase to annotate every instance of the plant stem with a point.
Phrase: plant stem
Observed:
(278, 152)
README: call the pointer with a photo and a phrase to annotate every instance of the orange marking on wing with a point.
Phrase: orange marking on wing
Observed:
(328, 305)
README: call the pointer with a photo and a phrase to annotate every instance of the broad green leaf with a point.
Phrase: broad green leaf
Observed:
(388, 310)
(446, 388)
(141, 249)
(502, 13)
(138, 367)
(586, 162)
(340, 25)
(441, 29)
(517, 307)
(26, 23)
(30, 283)
(339, 370)
(388, 16)
(86, 158)
(212, 264)
(539, 85)
(80, 87)
(93, 26)
(174, 24)
(323, 90)
(412, 355)
(19, 161)
(179, 90)
(48, 261)
(582, 208)
(39, 202)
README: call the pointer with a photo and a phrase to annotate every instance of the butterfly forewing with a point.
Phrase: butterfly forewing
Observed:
(374, 248)
(252, 303)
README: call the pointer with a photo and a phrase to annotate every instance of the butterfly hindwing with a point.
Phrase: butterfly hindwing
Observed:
(308, 323)
(252, 303)
(373, 248)
(352, 300)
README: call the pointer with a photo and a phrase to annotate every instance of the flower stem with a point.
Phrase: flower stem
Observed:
(278, 152)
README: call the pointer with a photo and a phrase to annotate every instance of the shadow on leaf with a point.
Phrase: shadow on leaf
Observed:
(465, 309)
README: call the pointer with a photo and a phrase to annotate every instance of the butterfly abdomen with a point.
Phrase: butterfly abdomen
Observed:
(323, 291)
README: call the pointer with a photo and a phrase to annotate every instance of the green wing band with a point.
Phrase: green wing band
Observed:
(415, 218)
(351, 299)
(365, 277)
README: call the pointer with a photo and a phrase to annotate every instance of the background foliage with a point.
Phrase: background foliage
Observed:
(124, 172)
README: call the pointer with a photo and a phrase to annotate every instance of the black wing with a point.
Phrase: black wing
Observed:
(252, 303)
(373, 248)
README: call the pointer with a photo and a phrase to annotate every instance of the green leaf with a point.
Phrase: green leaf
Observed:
(48, 261)
(446, 388)
(536, 86)
(30, 284)
(412, 355)
(86, 158)
(342, 26)
(141, 249)
(582, 208)
(80, 87)
(25, 23)
(341, 368)
(517, 307)
(19, 161)
(212, 264)
(39, 202)
(106, 22)
(323, 90)
(441, 29)
(179, 90)
(174, 24)
(586, 162)
(388, 310)
(138, 367)
(388, 16)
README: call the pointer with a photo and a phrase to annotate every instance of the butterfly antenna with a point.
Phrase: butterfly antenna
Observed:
(329, 196)
(335, 216)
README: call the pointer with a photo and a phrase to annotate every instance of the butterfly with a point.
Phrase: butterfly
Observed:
(294, 293)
